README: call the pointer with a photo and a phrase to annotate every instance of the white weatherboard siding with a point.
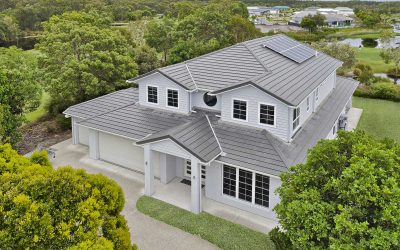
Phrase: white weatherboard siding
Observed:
(160, 81)
(123, 152)
(197, 101)
(253, 97)
(325, 88)
(213, 190)
(169, 147)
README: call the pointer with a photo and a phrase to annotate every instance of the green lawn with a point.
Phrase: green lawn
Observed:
(380, 118)
(40, 111)
(371, 57)
(356, 32)
(220, 232)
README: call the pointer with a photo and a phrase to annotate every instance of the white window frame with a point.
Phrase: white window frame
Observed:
(201, 170)
(259, 113)
(247, 110)
(166, 98)
(236, 198)
(298, 118)
(147, 94)
(308, 104)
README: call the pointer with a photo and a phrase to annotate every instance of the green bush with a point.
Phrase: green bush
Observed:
(381, 90)
(386, 90)
(46, 208)
(280, 239)
(394, 72)
(63, 123)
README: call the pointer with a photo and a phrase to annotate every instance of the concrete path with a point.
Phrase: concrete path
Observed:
(146, 232)
(353, 117)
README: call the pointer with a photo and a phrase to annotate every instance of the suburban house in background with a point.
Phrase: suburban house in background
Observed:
(334, 17)
(228, 123)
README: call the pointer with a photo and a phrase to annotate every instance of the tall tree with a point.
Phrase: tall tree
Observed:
(346, 195)
(83, 58)
(160, 34)
(146, 58)
(20, 91)
(340, 51)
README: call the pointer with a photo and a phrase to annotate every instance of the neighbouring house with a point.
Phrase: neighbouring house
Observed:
(228, 122)
(260, 11)
(345, 11)
(332, 18)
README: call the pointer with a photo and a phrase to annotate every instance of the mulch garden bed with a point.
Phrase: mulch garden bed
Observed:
(43, 133)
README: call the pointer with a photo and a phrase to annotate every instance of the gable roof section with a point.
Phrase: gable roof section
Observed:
(104, 104)
(251, 62)
(196, 137)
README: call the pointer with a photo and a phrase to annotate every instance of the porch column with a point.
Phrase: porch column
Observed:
(94, 144)
(75, 131)
(196, 186)
(148, 171)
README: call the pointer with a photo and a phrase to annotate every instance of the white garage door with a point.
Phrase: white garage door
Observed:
(83, 135)
(123, 152)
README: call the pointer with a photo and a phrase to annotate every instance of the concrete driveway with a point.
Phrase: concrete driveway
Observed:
(146, 232)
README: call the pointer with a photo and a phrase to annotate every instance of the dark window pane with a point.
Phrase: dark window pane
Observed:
(152, 95)
(262, 190)
(172, 98)
(245, 185)
(229, 180)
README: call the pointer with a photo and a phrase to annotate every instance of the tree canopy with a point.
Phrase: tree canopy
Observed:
(313, 22)
(346, 195)
(83, 58)
(340, 51)
(44, 208)
(19, 90)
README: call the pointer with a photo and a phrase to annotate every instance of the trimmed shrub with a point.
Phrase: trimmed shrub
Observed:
(280, 239)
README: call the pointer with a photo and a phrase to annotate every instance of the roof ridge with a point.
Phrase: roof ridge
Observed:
(191, 76)
(271, 139)
(215, 135)
(256, 57)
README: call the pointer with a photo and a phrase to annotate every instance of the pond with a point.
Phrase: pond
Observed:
(384, 75)
(370, 43)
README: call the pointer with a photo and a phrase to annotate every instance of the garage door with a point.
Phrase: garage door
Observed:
(122, 152)
(83, 135)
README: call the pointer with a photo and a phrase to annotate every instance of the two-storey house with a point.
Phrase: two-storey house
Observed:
(229, 122)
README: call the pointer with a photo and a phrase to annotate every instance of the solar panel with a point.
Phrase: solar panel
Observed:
(291, 49)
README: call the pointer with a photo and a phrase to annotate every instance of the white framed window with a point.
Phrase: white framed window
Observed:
(317, 94)
(308, 103)
(239, 109)
(152, 94)
(172, 98)
(296, 118)
(188, 169)
(267, 114)
(246, 185)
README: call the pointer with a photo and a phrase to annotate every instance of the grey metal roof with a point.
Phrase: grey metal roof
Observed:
(104, 104)
(196, 136)
(251, 63)
(241, 146)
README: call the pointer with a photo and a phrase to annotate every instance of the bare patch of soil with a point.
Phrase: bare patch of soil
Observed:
(43, 133)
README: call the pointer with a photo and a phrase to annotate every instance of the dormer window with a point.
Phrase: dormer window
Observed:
(172, 98)
(239, 109)
(152, 94)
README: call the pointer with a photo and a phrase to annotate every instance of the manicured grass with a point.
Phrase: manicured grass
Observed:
(371, 57)
(380, 118)
(40, 111)
(357, 32)
(220, 232)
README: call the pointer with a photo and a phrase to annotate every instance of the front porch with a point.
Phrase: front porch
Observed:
(174, 192)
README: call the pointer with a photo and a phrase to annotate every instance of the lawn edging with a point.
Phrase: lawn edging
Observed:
(220, 232)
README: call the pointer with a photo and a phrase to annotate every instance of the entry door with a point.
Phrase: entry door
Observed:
(188, 169)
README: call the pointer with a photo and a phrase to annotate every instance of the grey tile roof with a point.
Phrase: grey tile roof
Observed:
(104, 104)
(135, 122)
(242, 146)
(251, 63)
(196, 136)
